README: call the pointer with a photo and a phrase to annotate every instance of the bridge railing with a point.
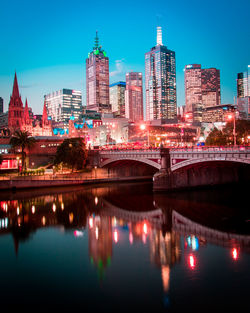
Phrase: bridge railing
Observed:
(215, 149)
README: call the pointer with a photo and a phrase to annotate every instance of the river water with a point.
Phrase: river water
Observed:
(122, 248)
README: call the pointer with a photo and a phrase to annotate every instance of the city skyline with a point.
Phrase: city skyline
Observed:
(46, 62)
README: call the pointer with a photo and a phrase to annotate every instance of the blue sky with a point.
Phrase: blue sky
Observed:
(47, 42)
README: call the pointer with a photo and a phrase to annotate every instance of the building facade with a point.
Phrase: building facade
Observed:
(134, 97)
(160, 82)
(97, 79)
(62, 104)
(117, 98)
(215, 114)
(202, 89)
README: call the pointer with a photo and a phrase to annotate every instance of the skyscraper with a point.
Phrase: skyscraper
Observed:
(62, 104)
(97, 79)
(160, 81)
(243, 84)
(202, 89)
(117, 98)
(1, 105)
(210, 86)
(134, 97)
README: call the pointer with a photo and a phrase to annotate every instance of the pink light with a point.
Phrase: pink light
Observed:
(144, 238)
(235, 254)
(142, 126)
(131, 238)
(191, 261)
(115, 236)
(145, 228)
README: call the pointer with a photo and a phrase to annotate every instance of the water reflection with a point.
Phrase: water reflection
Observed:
(170, 228)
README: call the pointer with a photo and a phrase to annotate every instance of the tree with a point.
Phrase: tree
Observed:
(242, 129)
(72, 152)
(216, 138)
(23, 140)
(1, 159)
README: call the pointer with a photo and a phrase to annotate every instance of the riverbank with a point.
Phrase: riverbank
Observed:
(54, 181)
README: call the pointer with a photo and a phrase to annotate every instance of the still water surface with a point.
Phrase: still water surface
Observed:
(121, 248)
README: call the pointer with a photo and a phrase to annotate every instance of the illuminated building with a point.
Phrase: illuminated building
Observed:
(160, 81)
(214, 114)
(97, 79)
(202, 89)
(243, 107)
(62, 104)
(243, 84)
(134, 97)
(117, 98)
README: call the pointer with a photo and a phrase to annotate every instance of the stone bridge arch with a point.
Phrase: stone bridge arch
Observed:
(108, 161)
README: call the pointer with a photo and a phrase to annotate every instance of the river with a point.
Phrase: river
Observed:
(123, 248)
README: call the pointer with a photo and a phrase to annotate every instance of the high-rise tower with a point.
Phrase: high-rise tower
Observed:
(97, 79)
(160, 81)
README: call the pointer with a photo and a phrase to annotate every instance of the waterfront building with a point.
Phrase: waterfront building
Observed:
(62, 104)
(160, 82)
(215, 114)
(1, 105)
(243, 84)
(97, 79)
(134, 97)
(243, 107)
(117, 98)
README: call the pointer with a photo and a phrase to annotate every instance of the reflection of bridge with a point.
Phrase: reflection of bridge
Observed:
(179, 157)
(179, 223)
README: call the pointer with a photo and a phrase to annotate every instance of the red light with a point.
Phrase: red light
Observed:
(235, 254)
(191, 261)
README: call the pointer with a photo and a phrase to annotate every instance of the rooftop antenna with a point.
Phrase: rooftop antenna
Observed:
(96, 41)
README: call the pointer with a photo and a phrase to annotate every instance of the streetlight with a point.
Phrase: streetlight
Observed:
(230, 117)
(143, 127)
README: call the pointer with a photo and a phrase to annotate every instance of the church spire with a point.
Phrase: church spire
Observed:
(26, 112)
(45, 114)
(15, 92)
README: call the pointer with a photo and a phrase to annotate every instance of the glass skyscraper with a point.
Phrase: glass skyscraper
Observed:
(97, 79)
(62, 104)
(160, 81)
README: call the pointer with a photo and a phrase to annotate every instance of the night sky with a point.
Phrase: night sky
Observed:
(47, 42)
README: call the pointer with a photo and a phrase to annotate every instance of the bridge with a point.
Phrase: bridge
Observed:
(179, 157)
(186, 167)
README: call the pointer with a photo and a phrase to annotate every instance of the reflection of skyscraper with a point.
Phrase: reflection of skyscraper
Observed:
(160, 81)
(165, 252)
(97, 79)
(134, 97)
(100, 241)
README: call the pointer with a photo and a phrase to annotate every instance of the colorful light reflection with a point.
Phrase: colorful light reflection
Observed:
(115, 236)
(235, 254)
(191, 261)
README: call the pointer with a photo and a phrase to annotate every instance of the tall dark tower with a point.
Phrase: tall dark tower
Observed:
(97, 79)
(160, 81)
(15, 115)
